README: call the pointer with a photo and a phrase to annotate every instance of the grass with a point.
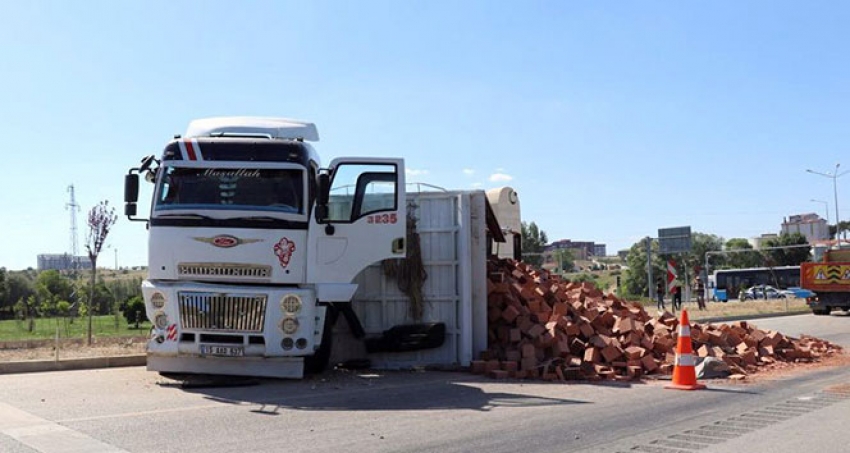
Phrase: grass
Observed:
(735, 308)
(45, 328)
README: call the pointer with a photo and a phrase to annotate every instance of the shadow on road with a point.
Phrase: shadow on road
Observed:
(380, 391)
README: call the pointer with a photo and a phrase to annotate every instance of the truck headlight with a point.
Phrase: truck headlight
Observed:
(158, 300)
(160, 320)
(291, 303)
(289, 325)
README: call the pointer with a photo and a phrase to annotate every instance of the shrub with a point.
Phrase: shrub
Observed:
(134, 311)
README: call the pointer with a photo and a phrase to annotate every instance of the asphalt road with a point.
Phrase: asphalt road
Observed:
(129, 409)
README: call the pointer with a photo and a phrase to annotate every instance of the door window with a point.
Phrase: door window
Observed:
(359, 190)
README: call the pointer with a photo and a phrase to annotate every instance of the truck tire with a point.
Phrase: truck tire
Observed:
(317, 362)
(820, 311)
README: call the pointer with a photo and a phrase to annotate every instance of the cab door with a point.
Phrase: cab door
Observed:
(366, 220)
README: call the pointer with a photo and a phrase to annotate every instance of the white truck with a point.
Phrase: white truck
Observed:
(255, 250)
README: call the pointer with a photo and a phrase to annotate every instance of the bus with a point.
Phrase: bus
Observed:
(726, 283)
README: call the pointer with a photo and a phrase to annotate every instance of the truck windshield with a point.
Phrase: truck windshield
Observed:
(276, 190)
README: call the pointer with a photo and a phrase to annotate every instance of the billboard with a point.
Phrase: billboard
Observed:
(674, 240)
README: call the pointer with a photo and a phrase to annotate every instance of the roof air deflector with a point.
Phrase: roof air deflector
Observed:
(243, 126)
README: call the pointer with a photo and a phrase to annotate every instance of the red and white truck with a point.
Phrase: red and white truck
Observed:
(829, 279)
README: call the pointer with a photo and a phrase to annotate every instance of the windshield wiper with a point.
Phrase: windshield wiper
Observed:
(266, 218)
(191, 216)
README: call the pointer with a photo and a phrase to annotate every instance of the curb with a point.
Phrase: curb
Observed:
(36, 366)
(749, 317)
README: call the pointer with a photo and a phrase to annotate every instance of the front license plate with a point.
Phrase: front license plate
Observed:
(222, 351)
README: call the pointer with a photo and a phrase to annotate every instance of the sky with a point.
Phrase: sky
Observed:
(610, 119)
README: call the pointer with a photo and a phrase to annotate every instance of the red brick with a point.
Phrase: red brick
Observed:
(592, 355)
(535, 331)
(611, 353)
(528, 363)
(649, 363)
(478, 367)
(498, 374)
(491, 365)
(510, 366)
(635, 352)
(513, 354)
(510, 313)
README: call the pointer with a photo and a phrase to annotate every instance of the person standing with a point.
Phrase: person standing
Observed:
(659, 295)
(699, 288)
(677, 297)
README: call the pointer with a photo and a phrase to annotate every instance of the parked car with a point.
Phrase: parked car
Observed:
(798, 292)
(761, 292)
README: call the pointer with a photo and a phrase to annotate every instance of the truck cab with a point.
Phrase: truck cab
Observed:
(829, 279)
(252, 244)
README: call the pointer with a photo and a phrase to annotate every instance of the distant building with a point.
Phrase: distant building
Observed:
(599, 250)
(758, 242)
(623, 254)
(63, 262)
(581, 250)
(809, 225)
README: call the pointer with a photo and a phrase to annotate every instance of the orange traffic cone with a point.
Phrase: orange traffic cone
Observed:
(684, 373)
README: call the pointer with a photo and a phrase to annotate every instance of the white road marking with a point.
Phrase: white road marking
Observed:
(47, 436)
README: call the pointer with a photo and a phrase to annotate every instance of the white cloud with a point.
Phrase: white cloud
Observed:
(476, 185)
(468, 171)
(500, 177)
(414, 172)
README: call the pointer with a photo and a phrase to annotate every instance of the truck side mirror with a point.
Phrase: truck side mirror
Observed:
(324, 183)
(324, 188)
(131, 188)
(131, 193)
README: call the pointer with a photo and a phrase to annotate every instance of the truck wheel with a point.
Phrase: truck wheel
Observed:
(317, 362)
(820, 311)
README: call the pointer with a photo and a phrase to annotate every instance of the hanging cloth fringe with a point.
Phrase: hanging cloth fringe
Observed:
(409, 272)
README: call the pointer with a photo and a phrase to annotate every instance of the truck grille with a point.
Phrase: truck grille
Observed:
(222, 311)
(208, 270)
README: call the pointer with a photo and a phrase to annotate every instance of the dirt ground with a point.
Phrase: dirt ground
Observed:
(103, 347)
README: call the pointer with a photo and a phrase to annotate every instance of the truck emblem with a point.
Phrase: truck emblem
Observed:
(284, 249)
(226, 241)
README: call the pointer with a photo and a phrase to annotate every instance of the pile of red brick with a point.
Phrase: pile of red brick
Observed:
(546, 328)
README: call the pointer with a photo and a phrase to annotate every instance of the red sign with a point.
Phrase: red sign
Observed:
(671, 274)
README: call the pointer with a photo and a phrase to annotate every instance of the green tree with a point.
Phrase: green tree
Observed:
(789, 256)
(56, 284)
(744, 256)
(565, 259)
(3, 301)
(634, 281)
(18, 288)
(590, 278)
(835, 231)
(701, 243)
(100, 220)
(134, 311)
(534, 240)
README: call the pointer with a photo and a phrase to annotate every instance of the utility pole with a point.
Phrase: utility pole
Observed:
(834, 176)
(74, 208)
(649, 283)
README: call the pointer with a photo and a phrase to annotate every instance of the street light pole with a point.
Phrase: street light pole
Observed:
(834, 175)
